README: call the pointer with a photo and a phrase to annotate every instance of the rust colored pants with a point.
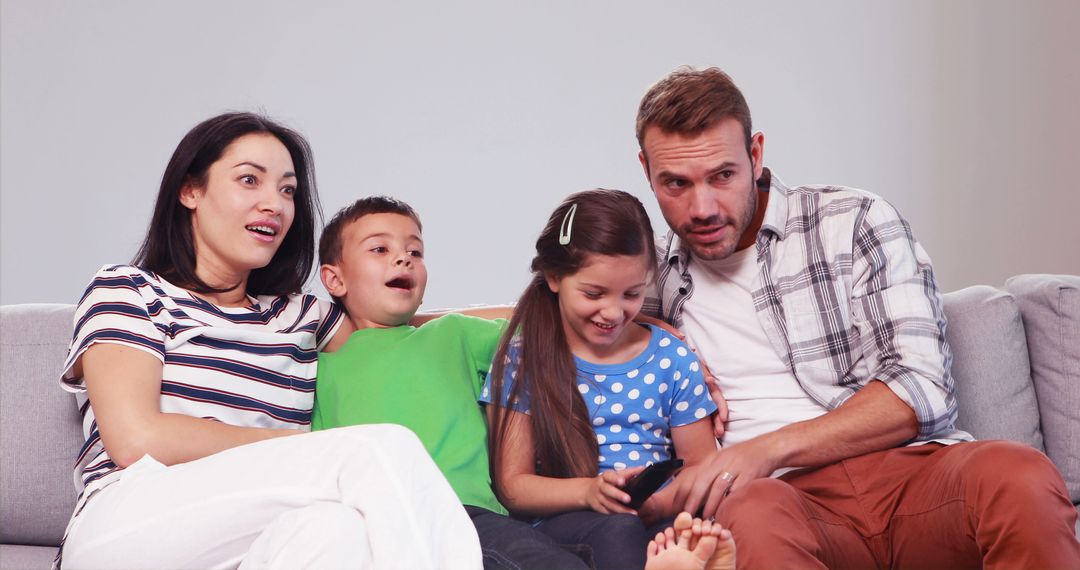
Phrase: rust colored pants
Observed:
(996, 503)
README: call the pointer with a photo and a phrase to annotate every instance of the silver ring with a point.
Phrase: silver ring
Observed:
(727, 476)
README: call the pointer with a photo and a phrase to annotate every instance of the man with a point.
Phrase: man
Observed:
(819, 313)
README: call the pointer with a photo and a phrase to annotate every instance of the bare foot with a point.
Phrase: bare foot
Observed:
(692, 544)
(723, 557)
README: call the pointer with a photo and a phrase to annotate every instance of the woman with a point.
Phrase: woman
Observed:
(199, 364)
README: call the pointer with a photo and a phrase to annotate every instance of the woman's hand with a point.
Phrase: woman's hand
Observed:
(604, 493)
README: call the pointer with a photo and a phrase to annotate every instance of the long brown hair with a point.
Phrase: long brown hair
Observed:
(604, 222)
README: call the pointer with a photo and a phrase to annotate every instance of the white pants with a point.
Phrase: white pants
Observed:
(354, 497)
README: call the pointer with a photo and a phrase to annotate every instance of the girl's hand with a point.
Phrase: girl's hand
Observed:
(604, 493)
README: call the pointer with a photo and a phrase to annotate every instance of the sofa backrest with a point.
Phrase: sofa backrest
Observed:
(991, 371)
(1050, 305)
(40, 426)
(1017, 365)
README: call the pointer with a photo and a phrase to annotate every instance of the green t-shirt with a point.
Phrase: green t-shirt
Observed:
(427, 379)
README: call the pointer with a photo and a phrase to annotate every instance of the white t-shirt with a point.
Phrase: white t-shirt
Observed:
(720, 321)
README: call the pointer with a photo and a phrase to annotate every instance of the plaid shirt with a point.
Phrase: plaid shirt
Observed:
(845, 295)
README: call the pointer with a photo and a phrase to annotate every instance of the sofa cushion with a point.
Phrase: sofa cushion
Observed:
(40, 428)
(1050, 305)
(21, 557)
(994, 393)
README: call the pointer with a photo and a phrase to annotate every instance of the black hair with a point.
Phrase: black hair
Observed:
(169, 247)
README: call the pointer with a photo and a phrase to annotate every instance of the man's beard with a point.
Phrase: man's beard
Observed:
(722, 250)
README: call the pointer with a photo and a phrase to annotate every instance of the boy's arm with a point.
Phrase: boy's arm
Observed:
(484, 312)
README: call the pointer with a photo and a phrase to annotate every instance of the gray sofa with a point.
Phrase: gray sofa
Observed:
(1017, 370)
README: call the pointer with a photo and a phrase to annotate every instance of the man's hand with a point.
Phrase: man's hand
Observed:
(728, 470)
(721, 417)
(873, 419)
(658, 506)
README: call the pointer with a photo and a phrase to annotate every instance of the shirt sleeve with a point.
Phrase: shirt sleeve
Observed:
(114, 310)
(331, 315)
(482, 338)
(690, 399)
(898, 309)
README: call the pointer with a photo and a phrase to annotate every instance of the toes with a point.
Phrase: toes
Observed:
(684, 539)
(706, 547)
(660, 540)
(683, 521)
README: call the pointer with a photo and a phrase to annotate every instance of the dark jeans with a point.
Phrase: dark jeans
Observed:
(510, 544)
(617, 542)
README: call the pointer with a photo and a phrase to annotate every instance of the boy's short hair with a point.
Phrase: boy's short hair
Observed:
(330, 242)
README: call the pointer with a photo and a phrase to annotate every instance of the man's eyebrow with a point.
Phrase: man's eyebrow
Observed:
(726, 165)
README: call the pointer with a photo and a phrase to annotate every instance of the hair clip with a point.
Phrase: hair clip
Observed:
(567, 225)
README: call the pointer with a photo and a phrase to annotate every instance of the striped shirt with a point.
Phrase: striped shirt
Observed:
(250, 366)
(845, 294)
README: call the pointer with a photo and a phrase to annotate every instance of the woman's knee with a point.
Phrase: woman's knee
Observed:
(392, 436)
(389, 440)
(324, 533)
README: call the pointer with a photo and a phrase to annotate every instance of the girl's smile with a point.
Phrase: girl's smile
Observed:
(598, 302)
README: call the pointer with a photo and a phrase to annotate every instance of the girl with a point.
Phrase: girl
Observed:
(199, 364)
(585, 396)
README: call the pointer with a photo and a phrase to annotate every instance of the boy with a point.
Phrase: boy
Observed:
(426, 379)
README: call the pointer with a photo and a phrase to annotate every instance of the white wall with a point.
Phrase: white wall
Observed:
(483, 116)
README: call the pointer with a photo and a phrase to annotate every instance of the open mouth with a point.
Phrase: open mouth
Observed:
(401, 283)
(262, 230)
(606, 327)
